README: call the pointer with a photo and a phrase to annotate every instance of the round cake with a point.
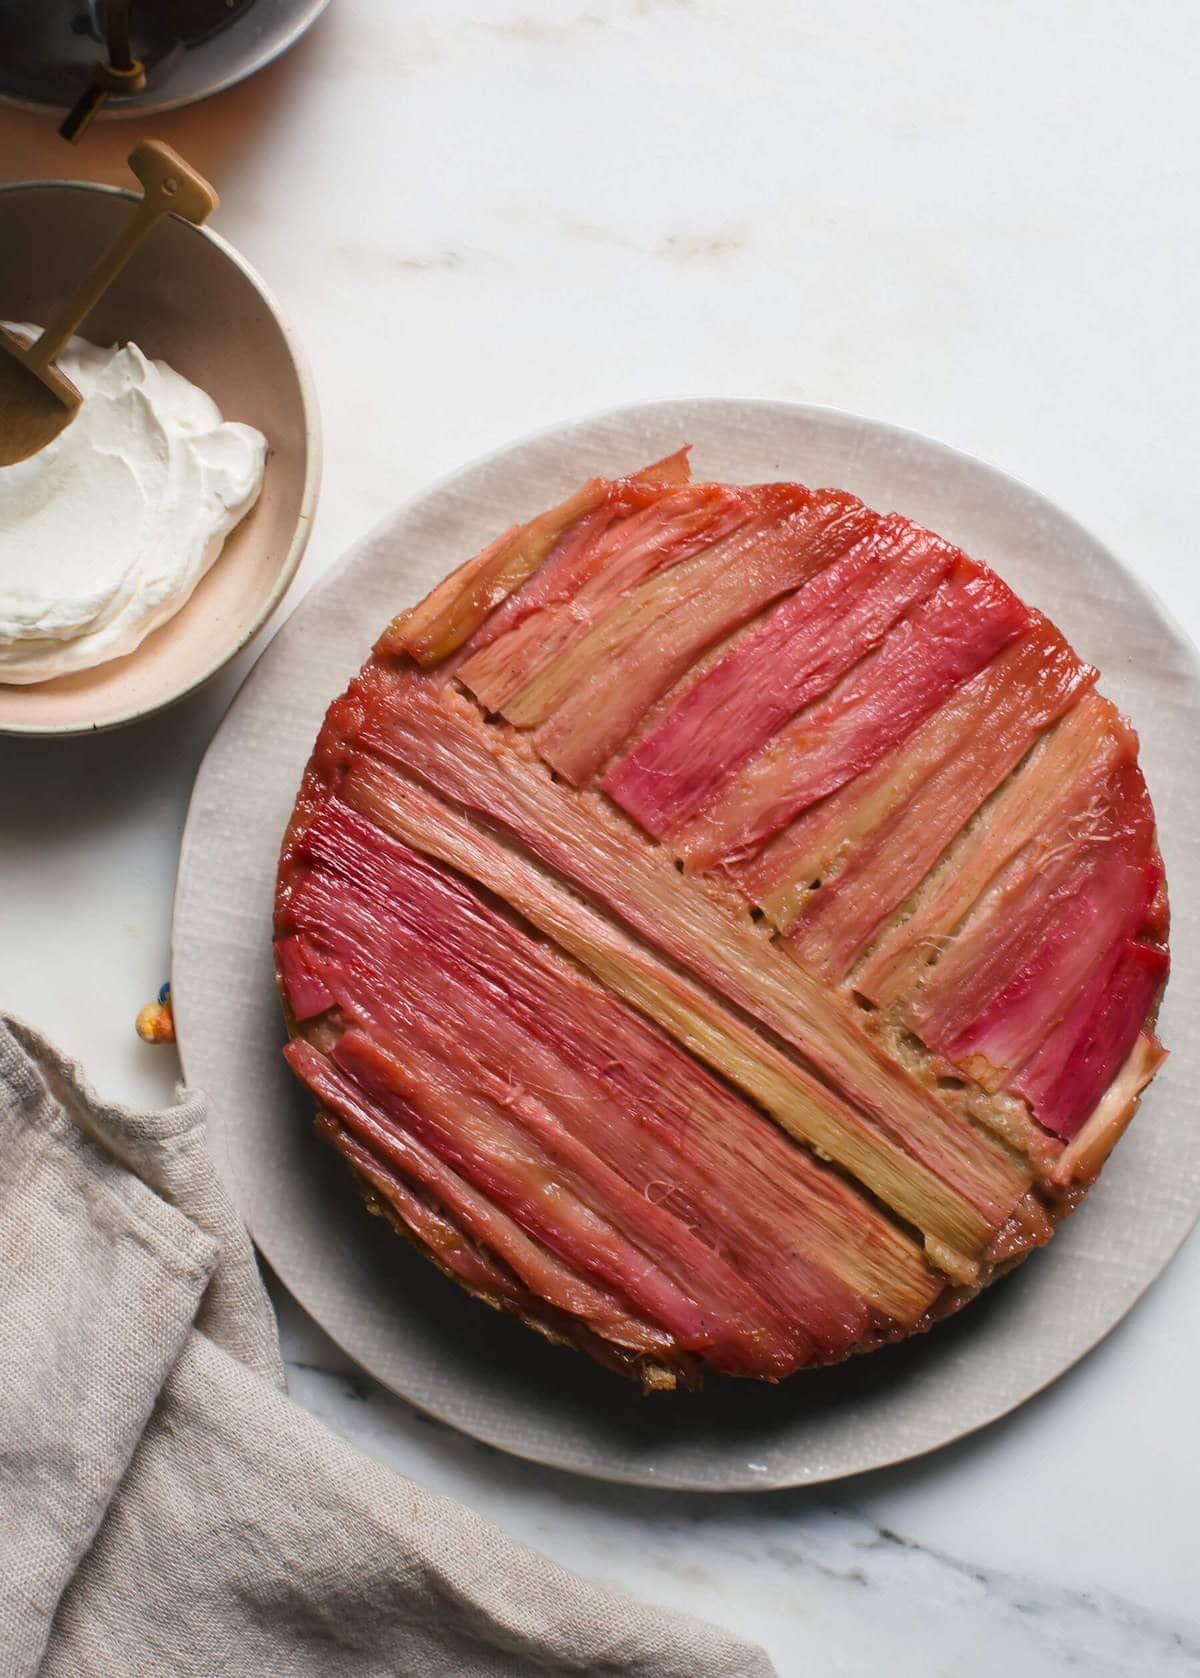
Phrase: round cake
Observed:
(722, 926)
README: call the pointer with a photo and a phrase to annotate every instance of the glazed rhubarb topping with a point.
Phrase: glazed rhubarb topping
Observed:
(963, 750)
(981, 734)
(459, 605)
(1048, 793)
(444, 740)
(796, 654)
(636, 653)
(940, 644)
(449, 954)
(1075, 1064)
(521, 672)
(719, 923)
(1016, 965)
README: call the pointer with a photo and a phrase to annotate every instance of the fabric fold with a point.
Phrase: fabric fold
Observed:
(167, 1510)
(101, 1281)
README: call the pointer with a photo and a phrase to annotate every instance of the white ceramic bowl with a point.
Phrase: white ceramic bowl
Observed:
(189, 299)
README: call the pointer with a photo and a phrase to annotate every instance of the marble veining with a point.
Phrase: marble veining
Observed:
(485, 216)
(396, 264)
(679, 245)
(811, 1573)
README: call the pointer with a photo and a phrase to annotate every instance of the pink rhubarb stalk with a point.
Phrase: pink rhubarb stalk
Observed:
(1081, 1159)
(567, 564)
(428, 1223)
(1067, 1076)
(540, 1270)
(1033, 681)
(995, 719)
(307, 993)
(513, 672)
(640, 649)
(457, 1255)
(546, 1199)
(1064, 772)
(796, 654)
(1002, 986)
(451, 746)
(459, 605)
(928, 654)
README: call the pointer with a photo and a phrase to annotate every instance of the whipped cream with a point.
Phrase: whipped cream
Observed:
(106, 531)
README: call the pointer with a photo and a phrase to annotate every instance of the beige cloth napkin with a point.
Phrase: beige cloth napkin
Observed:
(165, 1509)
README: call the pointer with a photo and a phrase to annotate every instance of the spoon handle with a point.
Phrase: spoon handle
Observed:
(170, 186)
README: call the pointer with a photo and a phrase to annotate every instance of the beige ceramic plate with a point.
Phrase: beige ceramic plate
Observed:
(189, 299)
(385, 1305)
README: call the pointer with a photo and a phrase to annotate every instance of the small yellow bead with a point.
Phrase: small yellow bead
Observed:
(154, 1024)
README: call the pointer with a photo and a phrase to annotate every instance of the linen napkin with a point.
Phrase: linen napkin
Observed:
(166, 1511)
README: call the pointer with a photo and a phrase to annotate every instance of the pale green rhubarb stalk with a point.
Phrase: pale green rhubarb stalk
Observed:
(650, 1112)
(458, 606)
(513, 671)
(448, 986)
(450, 746)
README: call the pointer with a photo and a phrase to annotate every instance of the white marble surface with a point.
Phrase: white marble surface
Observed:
(980, 221)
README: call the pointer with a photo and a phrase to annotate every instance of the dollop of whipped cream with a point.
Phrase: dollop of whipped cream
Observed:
(106, 531)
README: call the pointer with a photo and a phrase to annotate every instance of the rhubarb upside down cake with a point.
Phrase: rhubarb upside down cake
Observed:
(722, 926)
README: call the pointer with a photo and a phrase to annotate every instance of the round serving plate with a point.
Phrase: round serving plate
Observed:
(191, 49)
(387, 1307)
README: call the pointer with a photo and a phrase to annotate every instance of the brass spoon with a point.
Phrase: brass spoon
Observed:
(36, 400)
(120, 72)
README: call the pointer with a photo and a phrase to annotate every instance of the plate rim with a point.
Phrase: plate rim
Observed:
(545, 1454)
